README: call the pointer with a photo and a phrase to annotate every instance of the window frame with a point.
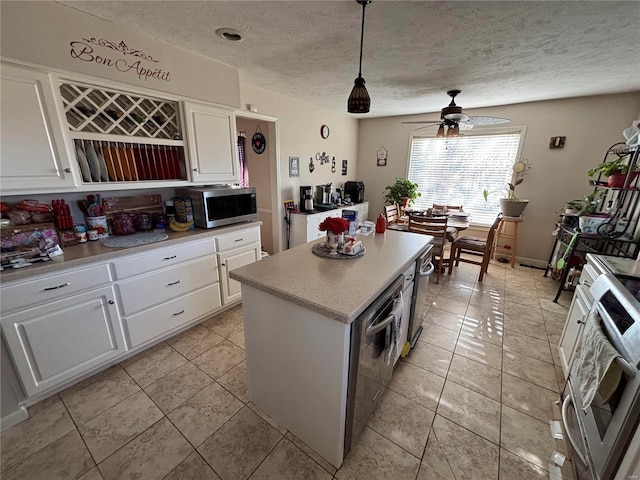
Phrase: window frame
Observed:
(484, 131)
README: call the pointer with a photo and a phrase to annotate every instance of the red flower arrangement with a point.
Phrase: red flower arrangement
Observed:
(334, 224)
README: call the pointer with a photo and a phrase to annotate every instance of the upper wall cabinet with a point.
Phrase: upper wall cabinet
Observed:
(32, 143)
(212, 148)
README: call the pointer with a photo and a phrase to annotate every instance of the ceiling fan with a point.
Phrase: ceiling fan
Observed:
(452, 119)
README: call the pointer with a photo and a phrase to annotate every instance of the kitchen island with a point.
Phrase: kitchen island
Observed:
(298, 310)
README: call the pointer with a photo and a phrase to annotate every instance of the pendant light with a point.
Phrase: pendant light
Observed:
(359, 101)
(440, 133)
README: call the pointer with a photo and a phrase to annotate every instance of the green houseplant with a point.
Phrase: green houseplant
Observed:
(403, 192)
(510, 205)
(615, 171)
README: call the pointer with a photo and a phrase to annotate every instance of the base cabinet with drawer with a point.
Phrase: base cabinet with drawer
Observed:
(234, 251)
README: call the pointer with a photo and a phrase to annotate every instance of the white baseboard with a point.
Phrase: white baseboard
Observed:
(14, 418)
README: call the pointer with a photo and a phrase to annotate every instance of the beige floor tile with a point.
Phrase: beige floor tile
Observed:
(235, 380)
(240, 445)
(482, 352)
(193, 468)
(195, 341)
(513, 467)
(524, 296)
(99, 396)
(309, 451)
(454, 306)
(476, 376)
(93, 474)
(456, 291)
(408, 430)
(429, 357)
(151, 365)
(204, 413)
(434, 460)
(428, 473)
(442, 318)
(561, 308)
(288, 462)
(513, 309)
(89, 380)
(530, 369)
(531, 326)
(375, 458)
(178, 386)
(65, 458)
(484, 325)
(417, 385)
(225, 323)
(471, 410)
(152, 454)
(220, 359)
(110, 430)
(47, 423)
(528, 398)
(469, 456)
(439, 336)
(527, 437)
(237, 338)
(267, 418)
(526, 345)
(492, 299)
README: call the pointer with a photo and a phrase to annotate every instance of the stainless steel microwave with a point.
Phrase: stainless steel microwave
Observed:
(216, 206)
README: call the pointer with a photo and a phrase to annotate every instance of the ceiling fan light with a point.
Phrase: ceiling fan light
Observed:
(359, 101)
(440, 133)
(456, 131)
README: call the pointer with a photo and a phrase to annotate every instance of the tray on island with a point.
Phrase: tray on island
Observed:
(322, 251)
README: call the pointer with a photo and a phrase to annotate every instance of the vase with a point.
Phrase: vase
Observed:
(333, 242)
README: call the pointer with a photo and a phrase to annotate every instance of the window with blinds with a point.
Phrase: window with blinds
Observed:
(455, 171)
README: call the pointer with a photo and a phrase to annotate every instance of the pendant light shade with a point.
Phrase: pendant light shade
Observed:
(359, 100)
(440, 133)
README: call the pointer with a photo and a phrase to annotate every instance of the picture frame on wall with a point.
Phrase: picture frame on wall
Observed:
(382, 157)
(294, 166)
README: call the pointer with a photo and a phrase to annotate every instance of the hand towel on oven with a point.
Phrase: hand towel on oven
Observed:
(594, 369)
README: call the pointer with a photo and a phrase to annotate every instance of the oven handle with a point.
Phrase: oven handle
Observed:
(565, 410)
(373, 329)
(430, 271)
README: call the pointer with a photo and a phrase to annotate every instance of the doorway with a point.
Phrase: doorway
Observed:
(263, 174)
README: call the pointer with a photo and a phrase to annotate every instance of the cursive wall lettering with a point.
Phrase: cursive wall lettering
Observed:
(83, 51)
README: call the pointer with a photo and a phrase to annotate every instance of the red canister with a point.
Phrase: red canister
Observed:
(381, 224)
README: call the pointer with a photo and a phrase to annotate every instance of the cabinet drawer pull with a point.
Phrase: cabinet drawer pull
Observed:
(67, 170)
(111, 302)
(223, 264)
(238, 239)
(586, 284)
(180, 312)
(174, 283)
(59, 286)
(170, 258)
(581, 321)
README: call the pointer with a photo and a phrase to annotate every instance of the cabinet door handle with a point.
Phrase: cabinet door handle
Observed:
(195, 169)
(586, 284)
(67, 170)
(59, 286)
(180, 312)
(581, 321)
(111, 302)
(238, 239)
(223, 264)
(170, 258)
(174, 283)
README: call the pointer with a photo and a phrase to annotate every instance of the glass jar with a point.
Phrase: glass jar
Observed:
(123, 224)
(161, 220)
(143, 222)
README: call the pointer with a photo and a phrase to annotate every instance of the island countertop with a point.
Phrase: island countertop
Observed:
(337, 288)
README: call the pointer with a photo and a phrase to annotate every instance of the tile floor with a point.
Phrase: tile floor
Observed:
(472, 401)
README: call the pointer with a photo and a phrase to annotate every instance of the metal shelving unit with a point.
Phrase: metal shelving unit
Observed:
(615, 237)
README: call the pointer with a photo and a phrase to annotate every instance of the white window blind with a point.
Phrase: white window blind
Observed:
(455, 171)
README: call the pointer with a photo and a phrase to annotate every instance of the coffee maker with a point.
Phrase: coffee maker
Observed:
(323, 194)
(306, 199)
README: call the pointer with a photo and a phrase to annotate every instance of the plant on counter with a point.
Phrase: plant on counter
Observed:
(403, 192)
(334, 224)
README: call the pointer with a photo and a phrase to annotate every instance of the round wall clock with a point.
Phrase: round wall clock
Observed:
(258, 142)
(324, 131)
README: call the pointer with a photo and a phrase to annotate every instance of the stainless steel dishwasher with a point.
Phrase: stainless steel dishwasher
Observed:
(371, 358)
(421, 301)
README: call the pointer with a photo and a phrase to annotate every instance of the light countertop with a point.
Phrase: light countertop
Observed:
(89, 252)
(337, 288)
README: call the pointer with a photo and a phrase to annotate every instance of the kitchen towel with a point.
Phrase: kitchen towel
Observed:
(594, 368)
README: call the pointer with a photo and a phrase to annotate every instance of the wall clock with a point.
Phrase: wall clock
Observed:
(324, 131)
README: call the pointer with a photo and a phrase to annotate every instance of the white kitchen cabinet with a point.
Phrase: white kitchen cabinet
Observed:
(212, 145)
(236, 250)
(578, 312)
(53, 343)
(32, 145)
(305, 227)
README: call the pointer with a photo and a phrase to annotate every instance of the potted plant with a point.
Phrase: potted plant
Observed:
(573, 207)
(403, 192)
(615, 171)
(510, 205)
(588, 217)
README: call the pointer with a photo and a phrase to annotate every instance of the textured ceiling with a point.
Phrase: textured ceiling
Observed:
(496, 52)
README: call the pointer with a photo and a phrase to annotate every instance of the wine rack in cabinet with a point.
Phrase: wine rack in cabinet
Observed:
(123, 137)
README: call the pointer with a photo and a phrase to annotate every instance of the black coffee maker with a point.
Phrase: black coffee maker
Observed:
(355, 190)
(306, 199)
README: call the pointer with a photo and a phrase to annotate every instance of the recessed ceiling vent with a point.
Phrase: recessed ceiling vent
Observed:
(230, 34)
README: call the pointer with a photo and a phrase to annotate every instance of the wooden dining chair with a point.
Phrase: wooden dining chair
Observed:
(474, 246)
(392, 213)
(446, 208)
(437, 227)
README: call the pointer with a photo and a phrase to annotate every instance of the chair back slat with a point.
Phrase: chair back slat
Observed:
(391, 213)
(428, 226)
